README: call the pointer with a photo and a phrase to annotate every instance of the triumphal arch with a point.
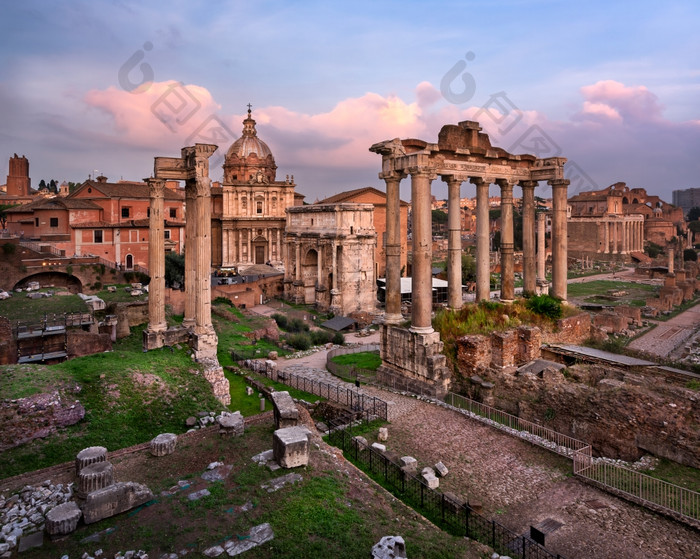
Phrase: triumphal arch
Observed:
(462, 154)
(197, 329)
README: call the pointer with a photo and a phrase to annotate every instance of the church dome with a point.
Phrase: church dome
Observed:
(249, 155)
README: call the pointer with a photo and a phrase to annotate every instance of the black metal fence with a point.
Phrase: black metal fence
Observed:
(369, 406)
(453, 516)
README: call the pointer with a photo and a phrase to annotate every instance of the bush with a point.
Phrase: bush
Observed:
(281, 320)
(338, 338)
(297, 325)
(320, 337)
(299, 341)
(222, 301)
(689, 255)
(545, 305)
(653, 250)
(9, 248)
(97, 285)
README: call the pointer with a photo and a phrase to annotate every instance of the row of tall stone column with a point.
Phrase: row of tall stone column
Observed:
(621, 236)
(421, 179)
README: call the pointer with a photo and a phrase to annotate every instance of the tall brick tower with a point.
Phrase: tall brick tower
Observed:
(18, 181)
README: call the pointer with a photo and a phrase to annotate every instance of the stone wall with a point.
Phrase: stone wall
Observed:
(8, 346)
(246, 295)
(81, 343)
(507, 349)
(623, 415)
(570, 330)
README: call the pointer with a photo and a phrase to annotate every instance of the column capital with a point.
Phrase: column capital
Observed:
(558, 182)
(427, 172)
(481, 181)
(392, 175)
(528, 184)
(451, 179)
(156, 187)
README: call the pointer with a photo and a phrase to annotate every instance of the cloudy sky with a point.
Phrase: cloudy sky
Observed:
(106, 86)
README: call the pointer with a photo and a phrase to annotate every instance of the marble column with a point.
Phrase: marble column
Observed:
(190, 253)
(483, 245)
(559, 238)
(541, 249)
(529, 279)
(156, 257)
(607, 237)
(422, 282)
(454, 244)
(507, 268)
(202, 314)
(393, 250)
(614, 236)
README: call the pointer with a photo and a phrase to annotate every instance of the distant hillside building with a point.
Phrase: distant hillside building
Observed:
(686, 199)
(377, 198)
(248, 208)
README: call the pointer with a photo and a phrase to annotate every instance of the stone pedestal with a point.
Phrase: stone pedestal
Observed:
(290, 447)
(415, 356)
(63, 519)
(90, 455)
(285, 410)
(163, 444)
(115, 499)
(231, 424)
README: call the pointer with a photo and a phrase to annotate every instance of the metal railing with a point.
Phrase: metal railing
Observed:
(455, 517)
(641, 488)
(356, 401)
(544, 437)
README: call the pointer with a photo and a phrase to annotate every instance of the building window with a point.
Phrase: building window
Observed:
(36, 222)
(259, 207)
(148, 212)
(166, 234)
(125, 212)
(97, 235)
(53, 222)
(173, 213)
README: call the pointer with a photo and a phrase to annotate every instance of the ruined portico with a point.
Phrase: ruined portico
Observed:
(197, 328)
(462, 154)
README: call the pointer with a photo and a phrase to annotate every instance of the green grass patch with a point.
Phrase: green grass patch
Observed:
(672, 472)
(599, 292)
(280, 387)
(363, 360)
(20, 307)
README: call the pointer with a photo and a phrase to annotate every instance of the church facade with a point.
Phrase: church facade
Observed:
(248, 207)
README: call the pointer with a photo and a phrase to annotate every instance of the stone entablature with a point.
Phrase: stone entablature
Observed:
(330, 257)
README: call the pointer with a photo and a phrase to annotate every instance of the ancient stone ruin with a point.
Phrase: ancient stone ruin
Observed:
(197, 329)
(463, 153)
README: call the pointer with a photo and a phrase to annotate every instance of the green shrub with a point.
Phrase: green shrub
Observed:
(490, 305)
(69, 270)
(299, 341)
(97, 285)
(338, 338)
(545, 305)
(9, 248)
(297, 325)
(281, 320)
(320, 337)
(222, 301)
(689, 255)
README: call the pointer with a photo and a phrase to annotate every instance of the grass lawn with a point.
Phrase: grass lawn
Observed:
(20, 307)
(598, 292)
(363, 360)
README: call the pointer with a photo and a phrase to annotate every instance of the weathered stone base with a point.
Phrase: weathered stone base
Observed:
(286, 412)
(114, 499)
(290, 447)
(416, 356)
(163, 444)
(94, 477)
(90, 455)
(153, 339)
(204, 344)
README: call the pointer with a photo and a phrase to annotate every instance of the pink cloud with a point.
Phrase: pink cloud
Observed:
(610, 98)
(162, 114)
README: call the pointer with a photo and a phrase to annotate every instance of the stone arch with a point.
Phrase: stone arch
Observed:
(309, 274)
(55, 278)
(625, 200)
(129, 262)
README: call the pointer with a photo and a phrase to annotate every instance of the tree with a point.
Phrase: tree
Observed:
(3, 214)
(694, 213)
(174, 268)
(694, 226)
(689, 255)
(53, 187)
(42, 184)
(653, 250)
(468, 268)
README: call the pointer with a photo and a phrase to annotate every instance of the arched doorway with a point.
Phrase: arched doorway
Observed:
(260, 250)
(129, 262)
(309, 274)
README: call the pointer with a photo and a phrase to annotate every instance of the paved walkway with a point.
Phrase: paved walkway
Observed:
(668, 338)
